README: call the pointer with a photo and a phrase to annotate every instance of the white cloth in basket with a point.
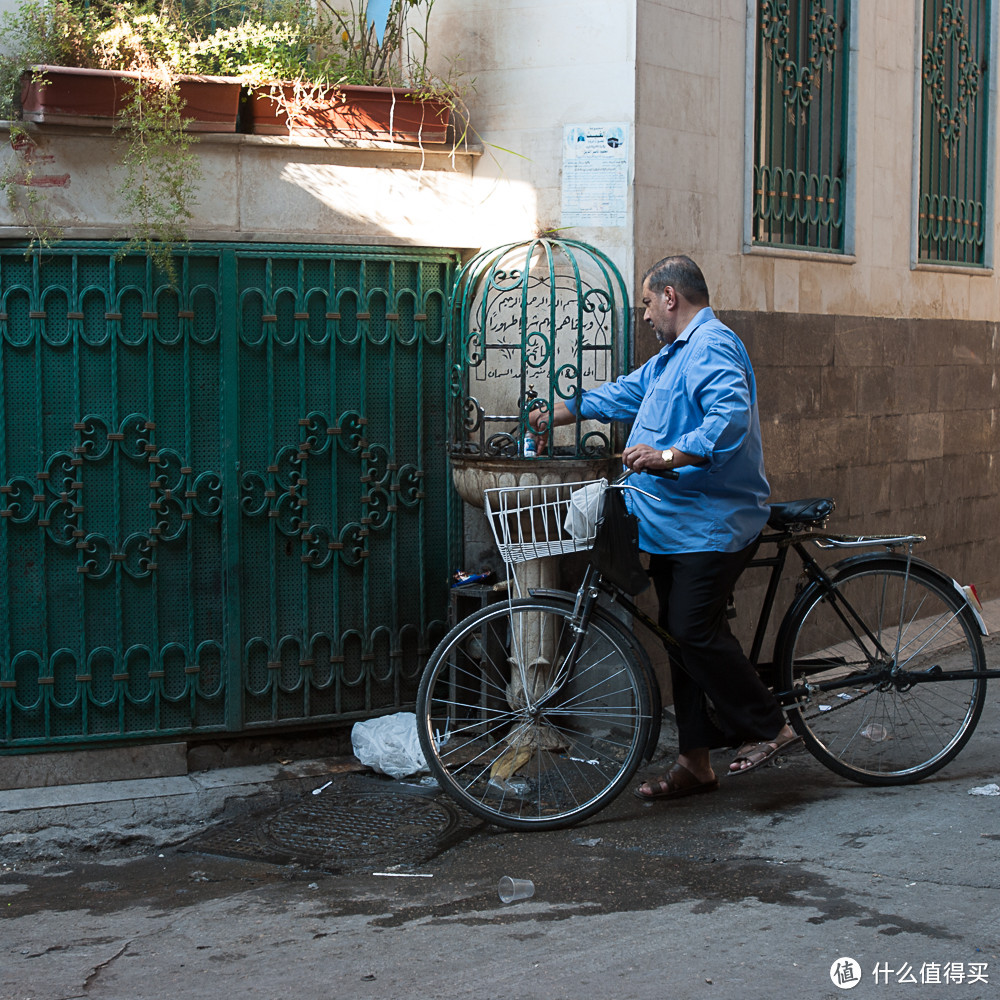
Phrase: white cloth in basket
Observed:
(584, 509)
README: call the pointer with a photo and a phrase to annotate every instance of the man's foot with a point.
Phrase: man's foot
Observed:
(754, 755)
(675, 784)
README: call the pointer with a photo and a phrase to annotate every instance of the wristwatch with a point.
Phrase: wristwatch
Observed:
(668, 457)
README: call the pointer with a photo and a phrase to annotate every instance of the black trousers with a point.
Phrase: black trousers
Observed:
(719, 700)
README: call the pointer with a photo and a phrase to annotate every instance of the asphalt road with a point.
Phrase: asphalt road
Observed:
(752, 893)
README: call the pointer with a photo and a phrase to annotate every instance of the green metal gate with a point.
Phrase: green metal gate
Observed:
(224, 503)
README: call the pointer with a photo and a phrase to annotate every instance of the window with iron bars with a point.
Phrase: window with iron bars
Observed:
(952, 222)
(801, 124)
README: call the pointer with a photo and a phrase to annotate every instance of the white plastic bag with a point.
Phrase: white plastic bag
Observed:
(389, 744)
(584, 509)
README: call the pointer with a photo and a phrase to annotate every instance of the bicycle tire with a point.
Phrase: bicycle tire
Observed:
(523, 769)
(883, 729)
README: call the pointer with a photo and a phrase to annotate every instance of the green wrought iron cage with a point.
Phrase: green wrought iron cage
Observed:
(534, 322)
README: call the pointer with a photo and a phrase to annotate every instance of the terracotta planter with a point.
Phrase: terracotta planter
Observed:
(68, 95)
(354, 112)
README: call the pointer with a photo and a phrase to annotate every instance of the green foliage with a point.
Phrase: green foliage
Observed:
(161, 171)
(314, 46)
(257, 52)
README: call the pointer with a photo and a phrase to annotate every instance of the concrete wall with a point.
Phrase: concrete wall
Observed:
(537, 67)
(265, 188)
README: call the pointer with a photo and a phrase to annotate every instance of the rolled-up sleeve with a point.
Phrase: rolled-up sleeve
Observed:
(618, 400)
(723, 392)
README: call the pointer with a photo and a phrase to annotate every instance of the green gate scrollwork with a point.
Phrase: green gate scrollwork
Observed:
(224, 504)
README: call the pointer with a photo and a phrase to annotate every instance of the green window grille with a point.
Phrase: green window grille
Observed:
(801, 124)
(954, 132)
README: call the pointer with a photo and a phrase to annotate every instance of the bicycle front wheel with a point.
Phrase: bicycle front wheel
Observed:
(519, 735)
(872, 663)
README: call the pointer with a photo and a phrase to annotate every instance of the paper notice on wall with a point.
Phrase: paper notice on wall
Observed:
(595, 175)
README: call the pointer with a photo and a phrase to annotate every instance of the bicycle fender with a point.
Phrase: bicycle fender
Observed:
(972, 602)
(652, 684)
(965, 593)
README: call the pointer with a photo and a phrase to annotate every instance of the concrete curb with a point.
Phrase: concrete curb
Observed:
(147, 813)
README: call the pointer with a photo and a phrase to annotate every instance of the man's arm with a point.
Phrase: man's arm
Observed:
(638, 457)
(542, 420)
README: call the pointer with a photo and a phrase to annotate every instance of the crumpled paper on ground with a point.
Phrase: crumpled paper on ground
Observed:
(992, 789)
(526, 740)
(389, 745)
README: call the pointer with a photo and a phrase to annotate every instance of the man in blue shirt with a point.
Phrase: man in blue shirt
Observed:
(693, 408)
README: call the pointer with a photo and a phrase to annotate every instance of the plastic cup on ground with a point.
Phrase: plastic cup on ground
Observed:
(513, 889)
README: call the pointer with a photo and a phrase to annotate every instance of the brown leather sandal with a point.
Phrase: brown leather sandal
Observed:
(675, 784)
(758, 754)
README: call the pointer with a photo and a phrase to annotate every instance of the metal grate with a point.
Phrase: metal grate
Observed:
(216, 499)
(355, 824)
(800, 137)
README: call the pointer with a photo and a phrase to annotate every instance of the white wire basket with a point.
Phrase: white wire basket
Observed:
(530, 522)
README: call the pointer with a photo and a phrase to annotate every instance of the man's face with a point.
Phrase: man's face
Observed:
(659, 313)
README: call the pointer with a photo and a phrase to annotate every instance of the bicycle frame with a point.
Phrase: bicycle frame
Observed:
(593, 584)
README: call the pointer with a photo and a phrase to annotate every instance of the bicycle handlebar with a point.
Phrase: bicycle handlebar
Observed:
(661, 473)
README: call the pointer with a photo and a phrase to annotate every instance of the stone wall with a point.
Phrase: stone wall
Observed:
(898, 420)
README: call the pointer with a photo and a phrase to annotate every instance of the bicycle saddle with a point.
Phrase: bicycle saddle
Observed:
(795, 515)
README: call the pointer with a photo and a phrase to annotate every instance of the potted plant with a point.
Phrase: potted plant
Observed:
(114, 66)
(367, 78)
(155, 74)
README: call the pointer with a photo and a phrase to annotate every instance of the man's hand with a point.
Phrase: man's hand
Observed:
(646, 458)
(541, 422)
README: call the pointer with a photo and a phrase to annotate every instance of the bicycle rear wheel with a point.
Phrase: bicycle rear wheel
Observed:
(872, 663)
(515, 738)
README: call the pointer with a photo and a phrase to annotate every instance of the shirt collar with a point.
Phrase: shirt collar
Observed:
(702, 316)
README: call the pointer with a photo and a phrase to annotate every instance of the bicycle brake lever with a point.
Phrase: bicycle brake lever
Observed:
(635, 489)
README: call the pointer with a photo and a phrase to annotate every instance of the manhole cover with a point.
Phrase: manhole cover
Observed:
(354, 823)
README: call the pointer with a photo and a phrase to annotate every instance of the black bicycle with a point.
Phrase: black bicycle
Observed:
(536, 711)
